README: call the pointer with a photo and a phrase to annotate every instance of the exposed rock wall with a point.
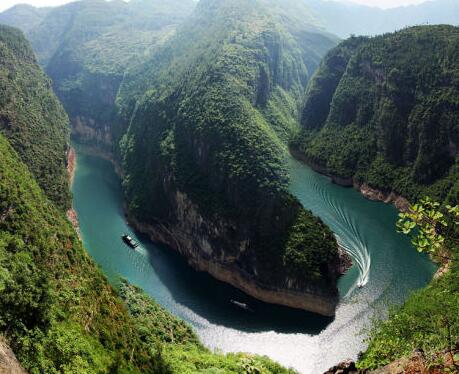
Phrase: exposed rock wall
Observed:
(194, 237)
(8, 361)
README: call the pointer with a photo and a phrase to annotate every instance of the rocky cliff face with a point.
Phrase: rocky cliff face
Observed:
(205, 245)
(8, 361)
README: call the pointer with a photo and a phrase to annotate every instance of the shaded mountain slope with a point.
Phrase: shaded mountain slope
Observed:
(86, 47)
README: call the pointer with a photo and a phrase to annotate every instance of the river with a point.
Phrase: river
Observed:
(384, 264)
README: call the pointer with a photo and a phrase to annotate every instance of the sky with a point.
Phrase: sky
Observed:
(5, 4)
(386, 3)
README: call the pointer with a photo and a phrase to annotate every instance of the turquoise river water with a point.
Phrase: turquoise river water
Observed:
(384, 264)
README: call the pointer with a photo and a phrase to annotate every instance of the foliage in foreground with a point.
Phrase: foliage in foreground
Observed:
(429, 320)
(56, 308)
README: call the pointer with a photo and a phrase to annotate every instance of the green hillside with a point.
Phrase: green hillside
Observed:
(31, 117)
(60, 315)
(222, 98)
(86, 47)
(384, 111)
(57, 310)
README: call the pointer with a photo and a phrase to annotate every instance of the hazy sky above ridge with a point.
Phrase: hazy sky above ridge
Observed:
(386, 3)
(5, 4)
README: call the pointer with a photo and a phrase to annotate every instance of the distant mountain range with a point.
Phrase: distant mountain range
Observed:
(344, 19)
(340, 18)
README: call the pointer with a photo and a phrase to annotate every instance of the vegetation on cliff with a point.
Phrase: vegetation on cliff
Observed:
(388, 113)
(57, 310)
(31, 117)
(86, 46)
(385, 111)
(221, 96)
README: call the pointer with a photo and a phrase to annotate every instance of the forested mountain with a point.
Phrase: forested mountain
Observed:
(384, 111)
(31, 117)
(23, 16)
(208, 138)
(382, 114)
(197, 102)
(345, 19)
(86, 46)
(58, 312)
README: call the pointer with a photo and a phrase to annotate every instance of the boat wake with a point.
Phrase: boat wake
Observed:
(349, 238)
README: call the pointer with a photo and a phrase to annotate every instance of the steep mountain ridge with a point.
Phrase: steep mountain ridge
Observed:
(31, 117)
(388, 117)
(227, 89)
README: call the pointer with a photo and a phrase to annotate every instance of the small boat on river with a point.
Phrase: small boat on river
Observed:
(129, 241)
(243, 306)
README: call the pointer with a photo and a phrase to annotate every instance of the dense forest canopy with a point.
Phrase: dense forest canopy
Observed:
(384, 111)
(31, 116)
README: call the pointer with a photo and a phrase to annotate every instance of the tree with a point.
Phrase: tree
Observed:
(431, 228)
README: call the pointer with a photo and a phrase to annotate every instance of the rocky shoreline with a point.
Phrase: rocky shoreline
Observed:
(402, 204)
(370, 193)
